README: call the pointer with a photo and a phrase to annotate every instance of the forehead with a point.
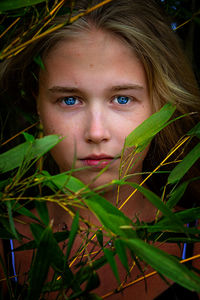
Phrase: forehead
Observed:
(94, 55)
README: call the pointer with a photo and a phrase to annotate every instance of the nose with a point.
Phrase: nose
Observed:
(97, 128)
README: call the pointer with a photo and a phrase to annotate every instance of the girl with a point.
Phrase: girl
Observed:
(104, 75)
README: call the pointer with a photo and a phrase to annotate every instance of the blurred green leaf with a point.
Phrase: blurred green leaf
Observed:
(143, 134)
(165, 264)
(47, 251)
(15, 4)
(39, 62)
(121, 251)
(59, 237)
(28, 137)
(181, 169)
(11, 221)
(93, 283)
(27, 151)
(37, 231)
(42, 210)
(111, 260)
(195, 131)
(24, 211)
(99, 235)
(72, 234)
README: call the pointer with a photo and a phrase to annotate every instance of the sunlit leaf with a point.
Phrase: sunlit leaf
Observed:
(14, 157)
(110, 217)
(143, 134)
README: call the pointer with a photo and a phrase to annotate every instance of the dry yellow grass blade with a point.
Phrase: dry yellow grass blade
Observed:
(19, 48)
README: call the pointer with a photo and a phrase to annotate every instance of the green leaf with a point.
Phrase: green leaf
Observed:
(27, 151)
(24, 211)
(72, 234)
(59, 237)
(46, 254)
(111, 260)
(156, 201)
(11, 221)
(63, 181)
(37, 231)
(143, 134)
(110, 217)
(181, 169)
(42, 211)
(15, 4)
(93, 282)
(121, 251)
(99, 235)
(195, 131)
(39, 62)
(165, 264)
(177, 194)
(28, 137)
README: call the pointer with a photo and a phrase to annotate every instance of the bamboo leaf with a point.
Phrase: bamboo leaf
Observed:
(72, 234)
(42, 211)
(47, 251)
(165, 264)
(121, 251)
(111, 260)
(37, 231)
(156, 201)
(11, 221)
(195, 131)
(141, 136)
(14, 157)
(177, 194)
(63, 181)
(15, 4)
(99, 235)
(110, 217)
(181, 169)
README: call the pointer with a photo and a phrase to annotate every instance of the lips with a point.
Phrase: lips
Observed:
(97, 161)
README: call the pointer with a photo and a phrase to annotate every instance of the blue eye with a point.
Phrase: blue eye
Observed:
(122, 99)
(70, 100)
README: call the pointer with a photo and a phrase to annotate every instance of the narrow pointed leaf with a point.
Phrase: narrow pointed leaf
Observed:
(72, 234)
(14, 157)
(143, 134)
(15, 4)
(165, 264)
(42, 211)
(111, 260)
(181, 169)
(11, 221)
(121, 251)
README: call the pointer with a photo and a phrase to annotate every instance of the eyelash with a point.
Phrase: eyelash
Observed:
(73, 99)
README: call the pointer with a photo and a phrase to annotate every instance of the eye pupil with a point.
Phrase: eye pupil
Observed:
(70, 100)
(122, 99)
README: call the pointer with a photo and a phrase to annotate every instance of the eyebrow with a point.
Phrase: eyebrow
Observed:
(66, 89)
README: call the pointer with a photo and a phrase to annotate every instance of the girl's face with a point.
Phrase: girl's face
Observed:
(93, 92)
